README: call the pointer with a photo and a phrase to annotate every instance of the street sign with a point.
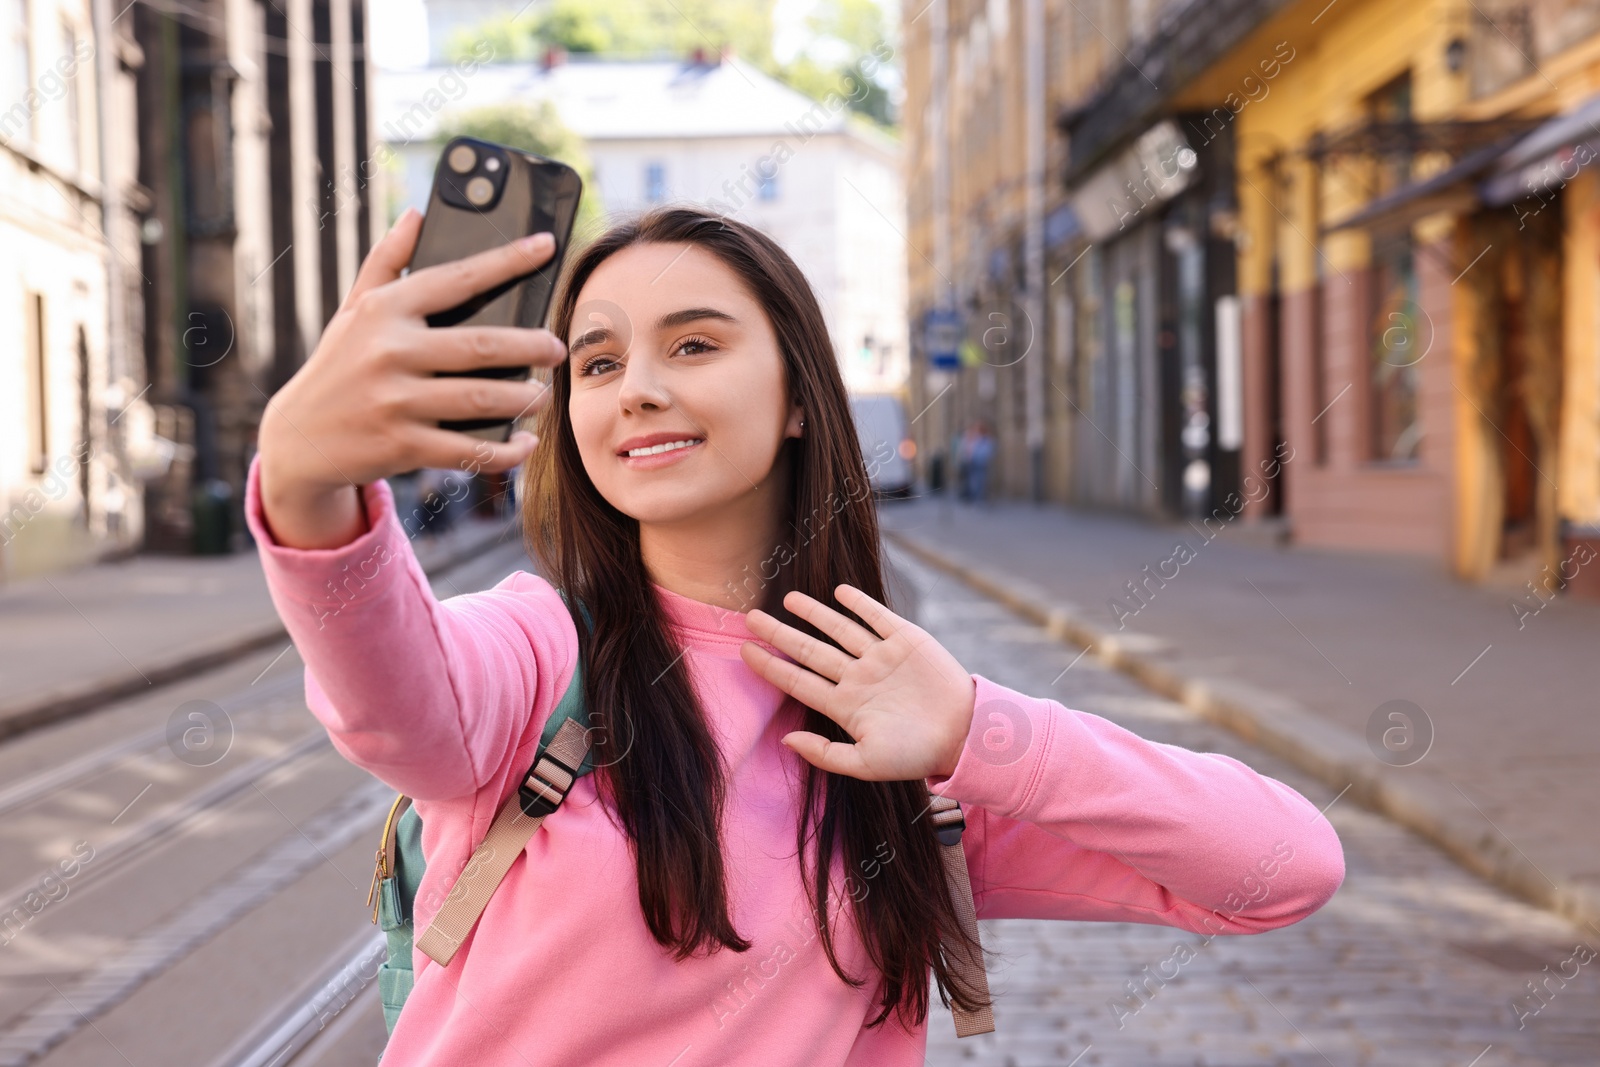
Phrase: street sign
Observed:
(942, 339)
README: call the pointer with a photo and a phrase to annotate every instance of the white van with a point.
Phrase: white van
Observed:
(886, 443)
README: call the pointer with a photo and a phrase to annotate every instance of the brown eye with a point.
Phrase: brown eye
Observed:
(699, 342)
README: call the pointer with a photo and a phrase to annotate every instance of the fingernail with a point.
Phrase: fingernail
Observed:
(536, 241)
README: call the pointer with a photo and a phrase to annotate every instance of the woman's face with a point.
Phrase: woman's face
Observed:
(667, 346)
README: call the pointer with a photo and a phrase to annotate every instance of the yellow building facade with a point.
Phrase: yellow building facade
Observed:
(1328, 267)
(1428, 348)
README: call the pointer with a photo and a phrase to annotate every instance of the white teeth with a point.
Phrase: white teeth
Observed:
(665, 447)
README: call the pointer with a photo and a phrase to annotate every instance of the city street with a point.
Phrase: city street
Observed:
(218, 896)
(1227, 369)
(223, 853)
(1413, 962)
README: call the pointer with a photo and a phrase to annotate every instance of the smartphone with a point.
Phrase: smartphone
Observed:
(485, 195)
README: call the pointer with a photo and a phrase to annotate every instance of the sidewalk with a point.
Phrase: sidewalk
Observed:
(70, 642)
(1298, 648)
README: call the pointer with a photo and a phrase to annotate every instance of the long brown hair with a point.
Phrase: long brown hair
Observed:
(659, 768)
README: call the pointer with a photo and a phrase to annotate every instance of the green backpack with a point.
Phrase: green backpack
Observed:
(400, 863)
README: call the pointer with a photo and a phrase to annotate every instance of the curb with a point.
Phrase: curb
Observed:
(75, 698)
(1283, 727)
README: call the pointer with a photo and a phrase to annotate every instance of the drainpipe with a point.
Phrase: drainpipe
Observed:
(105, 74)
(939, 131)
(1033, 242)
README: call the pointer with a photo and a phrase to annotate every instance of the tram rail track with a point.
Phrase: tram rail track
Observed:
(66, 984)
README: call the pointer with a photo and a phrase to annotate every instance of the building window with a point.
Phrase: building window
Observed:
(69, 52)
(655, 183)
(1395, 340)
(38, 382)
(16, 123)
(1390, 107)
(1393, 334)
(766, 178)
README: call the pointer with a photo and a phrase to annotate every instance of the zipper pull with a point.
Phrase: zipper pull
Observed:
(377, 876)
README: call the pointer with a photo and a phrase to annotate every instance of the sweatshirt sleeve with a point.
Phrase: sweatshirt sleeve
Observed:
(1070, 816)
(430, 697)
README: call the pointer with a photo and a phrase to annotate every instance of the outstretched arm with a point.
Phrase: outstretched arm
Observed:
(1069, 815)
(1073, 817)
(429, 696)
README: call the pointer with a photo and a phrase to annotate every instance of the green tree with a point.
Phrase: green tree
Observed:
(508, 35)
(635, 27)
(534, 127)
(844, 33)
(630, 28)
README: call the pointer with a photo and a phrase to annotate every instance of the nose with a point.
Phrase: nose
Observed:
(642, 388)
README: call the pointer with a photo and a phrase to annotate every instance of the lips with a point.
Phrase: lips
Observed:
(657, 443)
(664, 447)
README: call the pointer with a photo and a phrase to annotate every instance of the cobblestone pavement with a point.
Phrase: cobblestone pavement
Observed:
(1414, 962)
(1508, 699)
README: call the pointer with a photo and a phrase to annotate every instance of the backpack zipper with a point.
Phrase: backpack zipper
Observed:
(380, 869)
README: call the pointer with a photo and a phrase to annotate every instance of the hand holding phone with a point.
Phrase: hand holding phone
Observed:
(485, 194)
(368, 403)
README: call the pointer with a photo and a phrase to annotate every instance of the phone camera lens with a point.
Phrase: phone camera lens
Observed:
(480, 190)
(462, 159)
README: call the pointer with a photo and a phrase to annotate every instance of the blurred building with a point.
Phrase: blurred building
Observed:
(254, 156)
(184, 198)
(1063, 296)
(1420, 275)
(1326, 267)
(713, 131)
(69, 288)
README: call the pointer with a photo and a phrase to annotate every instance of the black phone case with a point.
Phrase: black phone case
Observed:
(536, 195)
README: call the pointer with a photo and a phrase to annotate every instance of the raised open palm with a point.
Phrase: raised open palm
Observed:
(900, 694)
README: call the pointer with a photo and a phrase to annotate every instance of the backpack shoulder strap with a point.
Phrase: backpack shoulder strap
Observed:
(562, 758)
(572, 704)
(968, 967)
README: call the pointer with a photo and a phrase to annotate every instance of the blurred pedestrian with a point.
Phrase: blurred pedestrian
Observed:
(977, 450)
(437, 505)
(958, 463)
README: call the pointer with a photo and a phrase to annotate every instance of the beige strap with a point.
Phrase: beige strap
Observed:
(507, 837)
(967, 968)
(512, 829)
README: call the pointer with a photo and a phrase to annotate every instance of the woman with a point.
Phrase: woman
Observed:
(765, 706)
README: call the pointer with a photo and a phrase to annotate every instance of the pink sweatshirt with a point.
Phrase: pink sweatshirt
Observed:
(445, 701)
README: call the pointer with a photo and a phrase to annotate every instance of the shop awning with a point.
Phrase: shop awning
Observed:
(1525, 162)
(1547, 158)
(1452, 189)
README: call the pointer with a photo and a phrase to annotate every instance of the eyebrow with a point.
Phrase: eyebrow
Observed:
(601, 334)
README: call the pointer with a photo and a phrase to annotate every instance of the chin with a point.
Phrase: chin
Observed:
(661, 504)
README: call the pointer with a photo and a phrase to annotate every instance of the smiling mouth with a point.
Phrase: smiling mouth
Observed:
(666, 446)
